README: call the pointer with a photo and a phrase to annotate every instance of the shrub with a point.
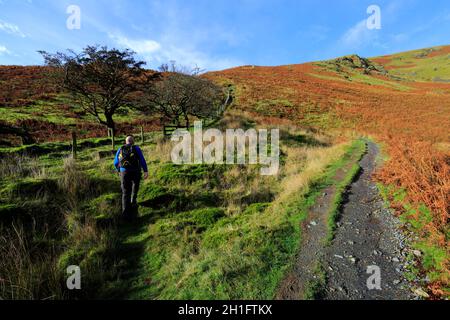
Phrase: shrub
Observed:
(73, 182)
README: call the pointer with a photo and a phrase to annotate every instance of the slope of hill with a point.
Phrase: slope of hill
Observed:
(432, 64)
(401, 100)
(30, 100)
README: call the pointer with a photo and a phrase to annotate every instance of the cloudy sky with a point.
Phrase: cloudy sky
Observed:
(218, 34)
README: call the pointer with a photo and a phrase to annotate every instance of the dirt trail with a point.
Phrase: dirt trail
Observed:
(367, 235)
(314, 232)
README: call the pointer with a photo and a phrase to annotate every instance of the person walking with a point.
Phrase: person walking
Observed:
(130, 163)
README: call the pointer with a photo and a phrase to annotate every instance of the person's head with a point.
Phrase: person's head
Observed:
(129, 140)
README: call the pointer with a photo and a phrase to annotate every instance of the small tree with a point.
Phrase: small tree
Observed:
(100, 80)
(179, 96)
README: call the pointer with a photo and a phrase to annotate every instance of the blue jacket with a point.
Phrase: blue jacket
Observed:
(142, 161)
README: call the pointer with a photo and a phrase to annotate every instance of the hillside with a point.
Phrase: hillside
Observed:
(401, 100)
(30, 100)
(208, 232)
(432, 64)
(355, 96)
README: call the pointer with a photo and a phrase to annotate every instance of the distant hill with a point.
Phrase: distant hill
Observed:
(25, 85)
(431, 64)
(351, 91)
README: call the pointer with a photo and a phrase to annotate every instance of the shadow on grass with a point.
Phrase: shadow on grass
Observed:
(133, 242)
(302, 139)
(178, 201)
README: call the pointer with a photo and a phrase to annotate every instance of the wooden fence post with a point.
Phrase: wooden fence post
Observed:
(74, 144)
(113, 142)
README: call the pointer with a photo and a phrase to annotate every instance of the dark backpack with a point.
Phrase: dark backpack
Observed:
(128, 158)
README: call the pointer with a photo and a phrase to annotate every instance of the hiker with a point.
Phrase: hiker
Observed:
(129, 162)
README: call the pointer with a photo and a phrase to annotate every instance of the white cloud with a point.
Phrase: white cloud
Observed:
(357, 35)
(4, 50)
(11, 29)
(193, 58)
(143, 47)
(156, 53)
(177, 35)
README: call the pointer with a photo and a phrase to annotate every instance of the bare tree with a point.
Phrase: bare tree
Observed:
(178, 96)
(173, 67)
(101, 81)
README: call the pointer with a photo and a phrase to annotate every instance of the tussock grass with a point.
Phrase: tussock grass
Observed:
(26, 270)
(16, 165)
(306, 165)
(73, 182)
(49, 223)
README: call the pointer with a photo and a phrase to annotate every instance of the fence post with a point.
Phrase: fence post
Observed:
(142, 134)
(113, 142)
(74, 144)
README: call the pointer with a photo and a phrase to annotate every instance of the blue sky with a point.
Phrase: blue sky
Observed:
(217, 34)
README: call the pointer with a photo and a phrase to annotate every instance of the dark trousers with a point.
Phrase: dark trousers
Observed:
(130, 187)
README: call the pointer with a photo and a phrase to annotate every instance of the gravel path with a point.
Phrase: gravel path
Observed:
(367, 235)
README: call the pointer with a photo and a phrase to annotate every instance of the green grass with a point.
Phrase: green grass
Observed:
(204, 232)
(418, 66)
(354, 155)
(52, 112)
(202, 254)
(60, 148)
(245, 255)
(367, 79)
(48, 111)
(416, 217)
(60, 219)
